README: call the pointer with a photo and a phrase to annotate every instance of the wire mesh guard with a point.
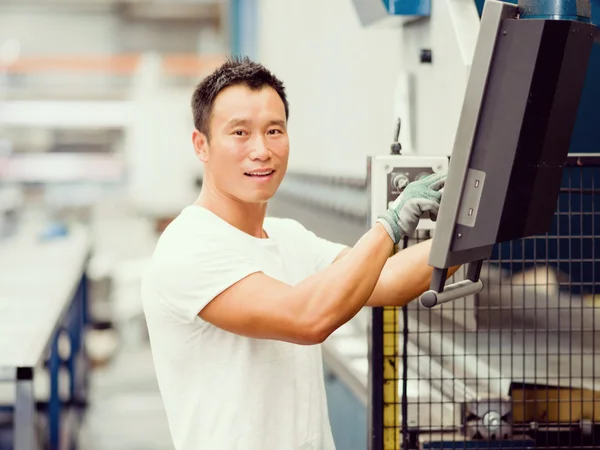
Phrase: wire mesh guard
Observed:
(513, 367)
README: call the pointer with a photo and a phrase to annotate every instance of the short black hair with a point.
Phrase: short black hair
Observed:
(235, 71)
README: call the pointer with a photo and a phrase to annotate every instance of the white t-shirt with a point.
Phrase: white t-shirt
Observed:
(222, 391)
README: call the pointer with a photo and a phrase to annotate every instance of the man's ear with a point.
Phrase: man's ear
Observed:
(200, 142)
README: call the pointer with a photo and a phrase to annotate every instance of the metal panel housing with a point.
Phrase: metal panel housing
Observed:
(515, 129)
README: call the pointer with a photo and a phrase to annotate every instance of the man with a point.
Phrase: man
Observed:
(236, 303)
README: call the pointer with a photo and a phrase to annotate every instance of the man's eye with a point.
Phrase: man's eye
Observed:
(274, 131)
(238, 132)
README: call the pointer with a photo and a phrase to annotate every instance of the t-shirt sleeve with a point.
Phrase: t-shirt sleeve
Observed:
(191, 281)
(323, 251)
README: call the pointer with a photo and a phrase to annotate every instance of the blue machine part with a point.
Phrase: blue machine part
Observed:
(408, 7)
(556, 9)
(579, 10)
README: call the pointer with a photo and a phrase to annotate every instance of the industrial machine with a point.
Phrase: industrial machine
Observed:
(513, 137)
(388, 175)
(498, 98)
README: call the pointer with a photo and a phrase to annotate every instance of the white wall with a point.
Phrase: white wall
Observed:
(340, 80)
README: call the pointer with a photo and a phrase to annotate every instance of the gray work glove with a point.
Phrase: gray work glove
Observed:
(419, 197)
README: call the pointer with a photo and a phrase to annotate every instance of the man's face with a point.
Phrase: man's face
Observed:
(247, 155)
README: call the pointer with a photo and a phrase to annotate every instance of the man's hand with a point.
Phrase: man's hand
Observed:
(419, 197)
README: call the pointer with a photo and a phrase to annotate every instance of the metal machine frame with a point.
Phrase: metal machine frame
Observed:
(434, 380)
(515, 126)
(387, 175)
(513, 137)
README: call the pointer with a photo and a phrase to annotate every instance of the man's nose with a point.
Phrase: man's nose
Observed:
(260, 151)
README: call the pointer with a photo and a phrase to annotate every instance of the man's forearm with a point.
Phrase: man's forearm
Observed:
(405, 277)
(330, 298)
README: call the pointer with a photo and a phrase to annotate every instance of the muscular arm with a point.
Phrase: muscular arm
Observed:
(405, 276)
(260, 307)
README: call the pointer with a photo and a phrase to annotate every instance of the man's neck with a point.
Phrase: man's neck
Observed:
(247, 217)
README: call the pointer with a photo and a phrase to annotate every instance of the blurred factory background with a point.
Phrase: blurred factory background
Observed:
(95, 151)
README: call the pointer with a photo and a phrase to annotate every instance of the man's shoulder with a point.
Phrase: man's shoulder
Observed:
(195, 220)
(191, 245)
(192, 230)
(284, 224)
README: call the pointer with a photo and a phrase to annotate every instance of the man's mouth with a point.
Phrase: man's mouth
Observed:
(262, 174)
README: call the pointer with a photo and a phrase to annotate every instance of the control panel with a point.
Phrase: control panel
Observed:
(399, 178)
(388, 176)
